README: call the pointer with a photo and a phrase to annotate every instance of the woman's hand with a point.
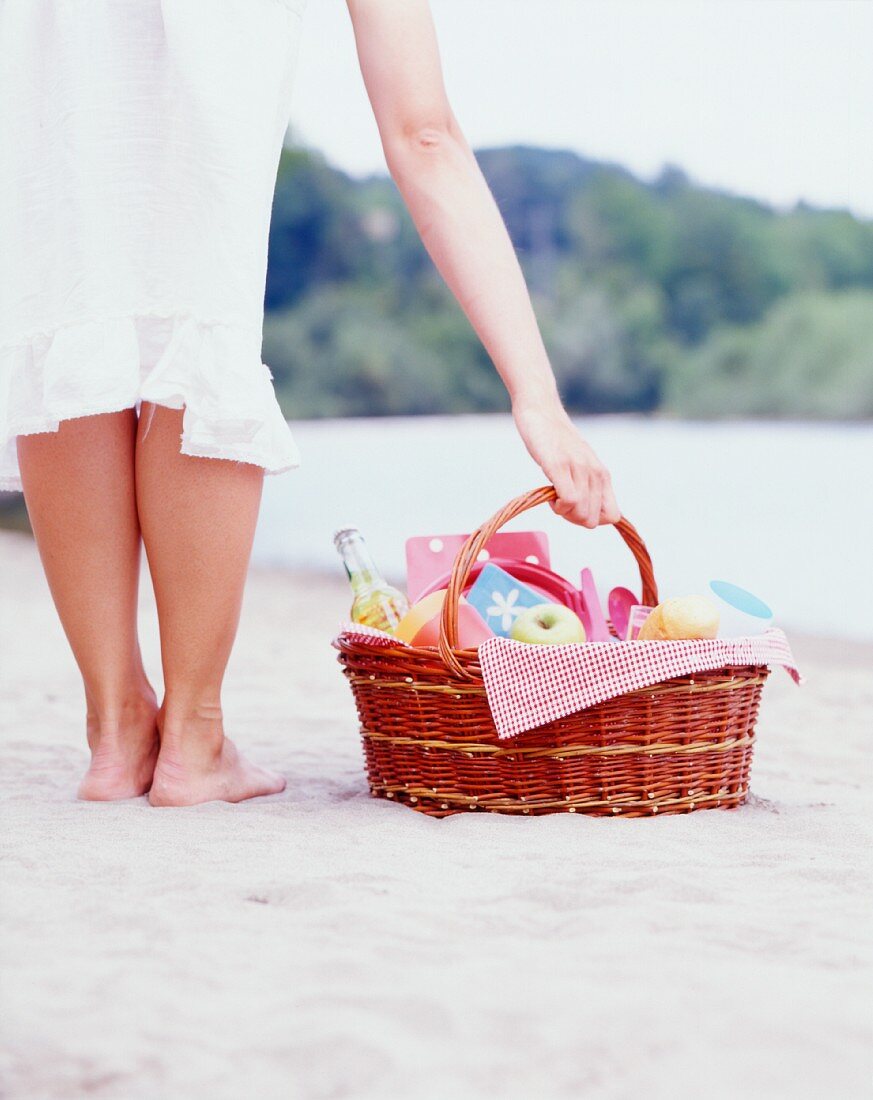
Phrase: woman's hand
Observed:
(582, 482)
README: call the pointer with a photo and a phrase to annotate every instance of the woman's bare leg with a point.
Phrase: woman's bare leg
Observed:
(80, 493)
(198, 520)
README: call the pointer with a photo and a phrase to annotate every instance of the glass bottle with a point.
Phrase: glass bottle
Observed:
(376, 602)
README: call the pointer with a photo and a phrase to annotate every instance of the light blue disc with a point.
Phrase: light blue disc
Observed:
(741, 599)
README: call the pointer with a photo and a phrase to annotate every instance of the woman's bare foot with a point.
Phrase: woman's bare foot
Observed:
(206, 768)
(228, 777)
(123, 752)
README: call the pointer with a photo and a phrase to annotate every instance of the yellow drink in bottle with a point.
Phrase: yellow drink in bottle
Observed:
(376, 602)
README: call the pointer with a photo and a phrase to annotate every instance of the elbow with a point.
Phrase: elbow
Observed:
(418, 143)
(428, 138)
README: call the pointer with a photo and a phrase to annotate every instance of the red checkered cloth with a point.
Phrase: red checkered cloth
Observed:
(529, 685)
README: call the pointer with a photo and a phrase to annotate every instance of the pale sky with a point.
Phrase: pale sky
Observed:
(769, 98)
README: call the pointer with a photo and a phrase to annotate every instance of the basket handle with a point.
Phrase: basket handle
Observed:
(469, 552)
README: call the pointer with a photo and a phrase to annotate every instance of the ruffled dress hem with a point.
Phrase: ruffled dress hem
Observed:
(210, 370)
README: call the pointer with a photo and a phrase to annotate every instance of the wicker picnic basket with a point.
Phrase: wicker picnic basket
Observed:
(430, 741)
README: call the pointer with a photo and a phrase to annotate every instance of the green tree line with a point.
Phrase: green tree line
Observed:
(651, 296)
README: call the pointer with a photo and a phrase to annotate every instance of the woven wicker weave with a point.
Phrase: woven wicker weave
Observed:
(430, 742)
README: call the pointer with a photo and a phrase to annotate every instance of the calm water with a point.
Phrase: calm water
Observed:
(783, 509)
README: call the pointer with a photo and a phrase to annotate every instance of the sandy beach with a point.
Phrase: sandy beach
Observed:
(322, 944)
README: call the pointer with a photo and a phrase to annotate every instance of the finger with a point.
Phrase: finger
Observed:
(582, 494)
(595, 495)
(565, 487)
(609, 509)
(587, 480)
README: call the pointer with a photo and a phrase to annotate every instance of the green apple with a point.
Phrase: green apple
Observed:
(548, 624)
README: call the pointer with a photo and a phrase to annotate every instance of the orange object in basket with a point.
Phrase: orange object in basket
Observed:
(420, 626)
(472, 628)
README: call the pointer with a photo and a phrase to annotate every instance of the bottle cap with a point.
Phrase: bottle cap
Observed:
(344, 533)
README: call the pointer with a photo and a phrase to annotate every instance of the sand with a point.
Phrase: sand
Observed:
(323, 944)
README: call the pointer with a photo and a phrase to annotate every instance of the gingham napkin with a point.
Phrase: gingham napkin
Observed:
(528, 685)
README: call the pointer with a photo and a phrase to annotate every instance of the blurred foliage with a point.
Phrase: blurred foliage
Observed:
(810, 356)
(13, 514)
(649, 295)
(349, 350)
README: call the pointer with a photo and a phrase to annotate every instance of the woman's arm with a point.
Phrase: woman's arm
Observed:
(464, 233)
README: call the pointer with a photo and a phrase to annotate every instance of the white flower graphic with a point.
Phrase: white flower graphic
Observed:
(505, 607)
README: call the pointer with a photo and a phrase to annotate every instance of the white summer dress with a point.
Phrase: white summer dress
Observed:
(139, 142)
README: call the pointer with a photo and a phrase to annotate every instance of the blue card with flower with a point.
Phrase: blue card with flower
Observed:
(500, 598)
